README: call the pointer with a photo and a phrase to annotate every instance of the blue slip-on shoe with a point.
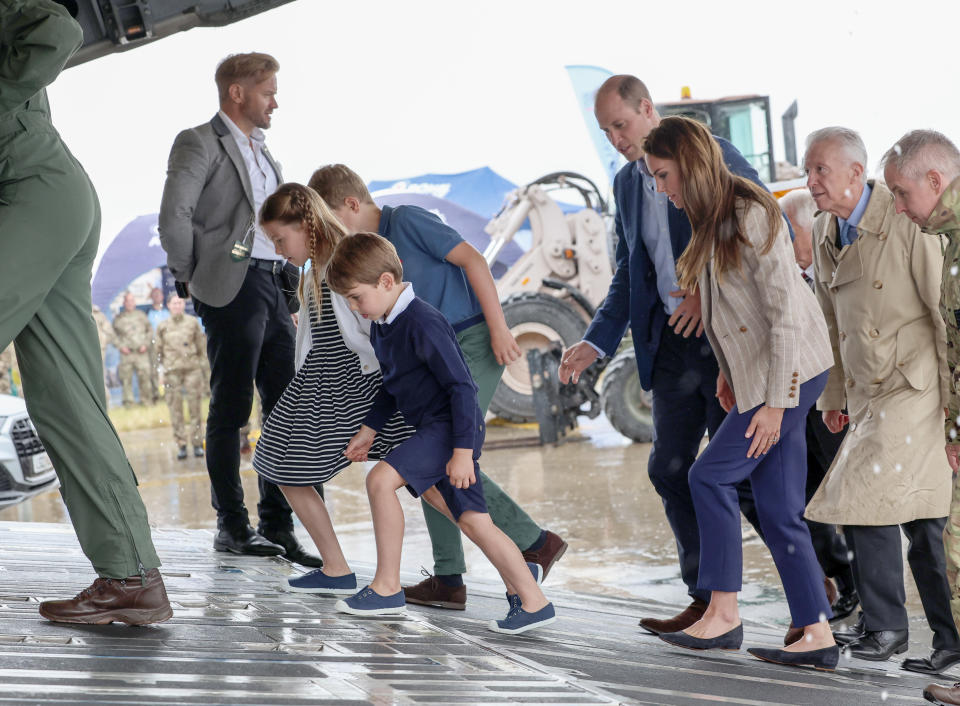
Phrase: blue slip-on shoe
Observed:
(369, 602)
(730, 640)
(824, 659)
(512, 598)
(520, 620)
(321, 584)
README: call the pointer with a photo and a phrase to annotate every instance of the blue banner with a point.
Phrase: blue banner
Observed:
(586, 80)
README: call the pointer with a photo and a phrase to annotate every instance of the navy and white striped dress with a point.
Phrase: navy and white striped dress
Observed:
(322, 408)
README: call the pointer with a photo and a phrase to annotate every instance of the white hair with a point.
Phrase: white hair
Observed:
(799, 207)
(919, 151)
(848, 139)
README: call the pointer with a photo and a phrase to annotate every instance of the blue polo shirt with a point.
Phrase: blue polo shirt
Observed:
(423, 242)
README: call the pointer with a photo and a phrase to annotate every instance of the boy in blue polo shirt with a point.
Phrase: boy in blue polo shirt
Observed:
(426, 377)
(453, 277)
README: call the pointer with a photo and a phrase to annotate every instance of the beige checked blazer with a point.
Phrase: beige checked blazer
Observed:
(763, 322)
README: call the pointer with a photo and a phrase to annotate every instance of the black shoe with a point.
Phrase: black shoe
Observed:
(845, 604)
(182, 453)
(854, 632)
(730, 640)
(938, 661)
(246, 541)
(292, 549)
(878, 645)
(197, 451)
(825, 658)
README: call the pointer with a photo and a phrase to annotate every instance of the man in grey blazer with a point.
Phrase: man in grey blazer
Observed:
(218, 176)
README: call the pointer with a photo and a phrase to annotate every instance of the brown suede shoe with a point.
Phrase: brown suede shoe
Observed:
(794, 633)
(691, 614)
(547, 555)
(432, 592)
(943, 694)
(132, 600)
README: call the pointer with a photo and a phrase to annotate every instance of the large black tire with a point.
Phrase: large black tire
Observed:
(536, 320)
(627, 406)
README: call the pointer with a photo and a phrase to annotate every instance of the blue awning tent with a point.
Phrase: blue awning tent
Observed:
(136, 249)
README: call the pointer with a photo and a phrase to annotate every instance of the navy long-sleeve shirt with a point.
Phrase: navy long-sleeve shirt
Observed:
(425, 375)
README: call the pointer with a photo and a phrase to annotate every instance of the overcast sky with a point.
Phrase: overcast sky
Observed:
(395, 89)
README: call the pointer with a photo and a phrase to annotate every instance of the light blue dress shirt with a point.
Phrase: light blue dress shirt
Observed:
(655, 232)
(848, 227)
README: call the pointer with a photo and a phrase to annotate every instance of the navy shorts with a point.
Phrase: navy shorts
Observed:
(422, 460)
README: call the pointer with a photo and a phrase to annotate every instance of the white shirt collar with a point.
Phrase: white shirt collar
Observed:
(256, 135)
(399, 306)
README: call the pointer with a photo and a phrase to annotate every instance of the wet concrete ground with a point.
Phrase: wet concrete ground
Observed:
(593, 490)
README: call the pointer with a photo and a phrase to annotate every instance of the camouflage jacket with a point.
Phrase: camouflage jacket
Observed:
(133, 330)
(104, 328)
(181, 344)
(945, 221)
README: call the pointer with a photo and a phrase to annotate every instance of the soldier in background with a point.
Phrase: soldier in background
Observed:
(134, 335)
(7, 362)
(156, 313)
(181, 350)
(106, 336)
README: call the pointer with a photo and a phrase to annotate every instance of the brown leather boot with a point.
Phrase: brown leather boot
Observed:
(794, 633)
(547, 555)
(943, 694)
(691, 614)
(133, 600)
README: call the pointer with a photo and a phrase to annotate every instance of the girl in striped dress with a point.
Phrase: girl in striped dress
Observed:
(305, 435)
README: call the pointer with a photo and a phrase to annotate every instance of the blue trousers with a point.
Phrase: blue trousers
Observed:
(684, 406)
(778, 479)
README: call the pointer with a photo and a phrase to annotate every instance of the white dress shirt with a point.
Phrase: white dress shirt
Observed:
(262, 178)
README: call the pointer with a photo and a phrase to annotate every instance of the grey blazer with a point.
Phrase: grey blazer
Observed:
(763, 322)
(207, 206)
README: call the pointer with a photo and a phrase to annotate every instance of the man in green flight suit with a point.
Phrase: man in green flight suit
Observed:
(923, 171)
(49, 232)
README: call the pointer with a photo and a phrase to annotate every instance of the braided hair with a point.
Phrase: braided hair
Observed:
(294, 203)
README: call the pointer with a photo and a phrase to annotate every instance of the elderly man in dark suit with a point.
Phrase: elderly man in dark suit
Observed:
(218, 176)
(678, 366)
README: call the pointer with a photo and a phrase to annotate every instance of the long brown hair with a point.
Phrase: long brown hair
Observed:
(709, 191)
(294, 203)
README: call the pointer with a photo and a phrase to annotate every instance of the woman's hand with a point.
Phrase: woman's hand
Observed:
(764, 429)
(725, 393)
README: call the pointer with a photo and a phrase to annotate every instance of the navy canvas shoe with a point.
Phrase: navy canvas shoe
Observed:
(520, 620)
(512, 598)
(321, 584)
(369, 602)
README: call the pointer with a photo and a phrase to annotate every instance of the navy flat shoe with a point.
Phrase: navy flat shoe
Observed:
(728, 641)
(824, 659)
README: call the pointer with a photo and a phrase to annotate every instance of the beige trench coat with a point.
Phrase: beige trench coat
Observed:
(880, 297)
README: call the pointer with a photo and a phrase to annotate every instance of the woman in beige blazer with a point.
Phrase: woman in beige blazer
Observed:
(771, 342)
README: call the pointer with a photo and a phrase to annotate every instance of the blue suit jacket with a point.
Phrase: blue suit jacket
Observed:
(633, 298)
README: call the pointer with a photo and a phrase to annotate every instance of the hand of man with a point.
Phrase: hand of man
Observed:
(725, 393)
(183, 289)
(504, 345)
(575, 360)
(953, 456)
(360, 444)
(686, 319)
(835, 420)
(460, 469)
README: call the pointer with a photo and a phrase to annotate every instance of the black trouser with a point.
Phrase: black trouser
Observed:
(684, 406)
(831, 550)
(878, 573)
(250, 339)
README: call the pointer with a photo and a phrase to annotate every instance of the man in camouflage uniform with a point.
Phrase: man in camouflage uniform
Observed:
(923, 171)
(6, 370)
(105, 334)
(181, 349)
(134, 335)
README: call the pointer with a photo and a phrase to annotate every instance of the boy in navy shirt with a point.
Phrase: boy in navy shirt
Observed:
(426, 377)
(451, 275)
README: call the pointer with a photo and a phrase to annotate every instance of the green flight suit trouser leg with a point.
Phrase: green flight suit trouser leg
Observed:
(49, 232)
(506, 514)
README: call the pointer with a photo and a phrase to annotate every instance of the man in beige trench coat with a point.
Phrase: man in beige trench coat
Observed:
(877, 277)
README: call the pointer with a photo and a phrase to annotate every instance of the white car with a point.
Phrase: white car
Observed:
(25, 468)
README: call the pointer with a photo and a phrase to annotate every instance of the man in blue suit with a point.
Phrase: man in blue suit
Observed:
(673, 359)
